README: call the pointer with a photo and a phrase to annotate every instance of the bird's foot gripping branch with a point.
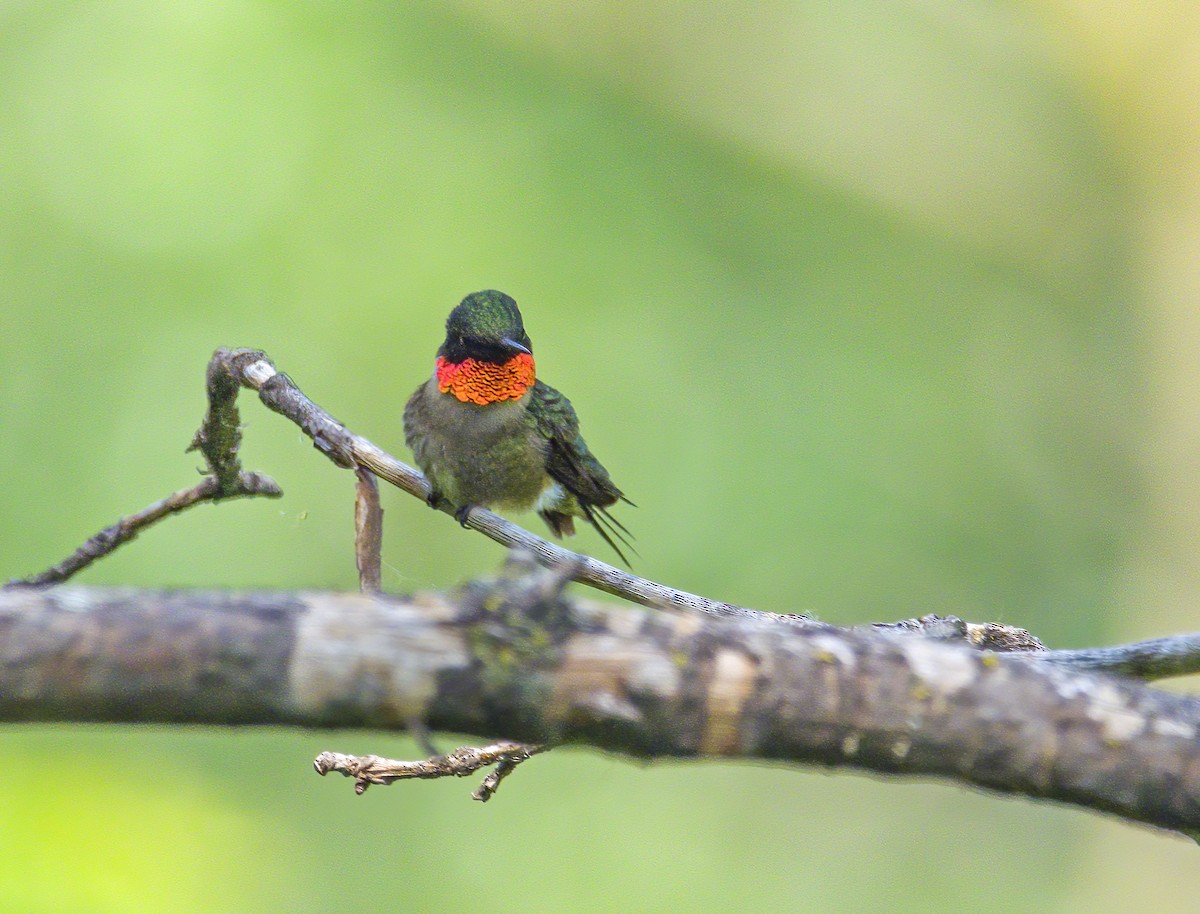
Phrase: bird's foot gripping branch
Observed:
(517, 659)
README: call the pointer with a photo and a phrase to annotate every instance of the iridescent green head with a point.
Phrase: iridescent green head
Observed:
(486, 326)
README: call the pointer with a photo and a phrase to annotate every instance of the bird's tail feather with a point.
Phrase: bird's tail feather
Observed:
(610, 529)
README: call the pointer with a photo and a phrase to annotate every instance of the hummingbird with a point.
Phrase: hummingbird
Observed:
(486, 432)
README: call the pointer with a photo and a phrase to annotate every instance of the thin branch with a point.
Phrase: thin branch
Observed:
(466, 760)
(251, 368)
(1158, 658)
(210, 488)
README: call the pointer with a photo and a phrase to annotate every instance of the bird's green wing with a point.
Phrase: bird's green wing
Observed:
(572, 466)
(568, 459)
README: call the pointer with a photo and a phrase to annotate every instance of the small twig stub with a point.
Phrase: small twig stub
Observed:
(368, 532)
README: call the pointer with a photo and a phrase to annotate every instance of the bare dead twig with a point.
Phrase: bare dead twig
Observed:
(371, 769)
(210, 488)
(218, 440)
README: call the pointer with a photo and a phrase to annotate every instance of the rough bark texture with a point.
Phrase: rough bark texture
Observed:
(512, 659)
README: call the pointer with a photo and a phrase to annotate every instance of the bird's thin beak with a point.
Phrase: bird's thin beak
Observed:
(514, 346)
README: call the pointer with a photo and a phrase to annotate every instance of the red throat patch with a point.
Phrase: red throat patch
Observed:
(486, 382)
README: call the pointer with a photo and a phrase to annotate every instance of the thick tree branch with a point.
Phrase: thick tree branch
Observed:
(511, 658)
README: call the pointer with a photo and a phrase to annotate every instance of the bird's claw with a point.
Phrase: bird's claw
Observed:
(461, 514)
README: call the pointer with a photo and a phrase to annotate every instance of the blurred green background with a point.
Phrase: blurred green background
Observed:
(874, 309)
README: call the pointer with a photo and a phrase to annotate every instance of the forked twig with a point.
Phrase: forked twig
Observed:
(210, 488)
(371, 769)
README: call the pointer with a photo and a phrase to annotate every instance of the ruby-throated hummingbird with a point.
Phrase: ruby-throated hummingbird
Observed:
(485, 432)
